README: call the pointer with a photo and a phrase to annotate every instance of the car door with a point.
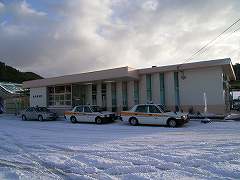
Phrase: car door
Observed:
(34, 113)
(27, 113)
(79, 114)
(141, 112)
(89, 115)
(155, 115)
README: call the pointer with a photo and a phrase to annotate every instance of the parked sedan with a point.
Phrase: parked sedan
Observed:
(153, 114)
(87, 113)
(38, 113)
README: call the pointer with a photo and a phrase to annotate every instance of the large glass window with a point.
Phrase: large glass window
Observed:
(114, 97)
(176, 88)
(60, 95)
(124, 95)
(162, 88)
(104, 96)
(136, 92)
(149, 87)
(94, 94)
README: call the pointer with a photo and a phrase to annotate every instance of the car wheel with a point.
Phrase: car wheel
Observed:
(40, 118)
(172, 123)
(73, 119)
(99, 120)
(24, 118)
(133, 121)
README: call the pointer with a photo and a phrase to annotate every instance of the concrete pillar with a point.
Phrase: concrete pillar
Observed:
(130, 88)
(89, 94)
(119, 96)
(99, 94)
(109, 96)
(142, 89)
(155, 88)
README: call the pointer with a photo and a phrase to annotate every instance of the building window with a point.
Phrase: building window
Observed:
(104, 95)
(114, 97)
(149, 87)
(162, 88)
(176, 89)
(136, 92)
(124, 95)
(60, 95)
(94, 94)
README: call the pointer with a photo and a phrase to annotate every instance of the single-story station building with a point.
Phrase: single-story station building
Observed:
(181, 85)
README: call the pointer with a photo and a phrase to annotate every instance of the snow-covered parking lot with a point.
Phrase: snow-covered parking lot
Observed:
(61, 150)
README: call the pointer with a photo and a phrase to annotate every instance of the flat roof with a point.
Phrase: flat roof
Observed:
(128, 73)
(103, 75)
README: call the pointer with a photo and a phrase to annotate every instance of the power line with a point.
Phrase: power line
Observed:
(222, 39)
(211, 41)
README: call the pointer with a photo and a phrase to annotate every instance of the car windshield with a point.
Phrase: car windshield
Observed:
(42, 109)
(96, 108)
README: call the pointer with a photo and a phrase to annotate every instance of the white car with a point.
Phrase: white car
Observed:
(153, 114)
(87, 113)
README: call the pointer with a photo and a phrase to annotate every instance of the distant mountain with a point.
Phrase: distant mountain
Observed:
(10, 74)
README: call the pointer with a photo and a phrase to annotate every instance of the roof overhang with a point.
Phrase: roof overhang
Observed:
(104, 75)
(225, 63)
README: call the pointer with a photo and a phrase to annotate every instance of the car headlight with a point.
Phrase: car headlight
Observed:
(183, 117)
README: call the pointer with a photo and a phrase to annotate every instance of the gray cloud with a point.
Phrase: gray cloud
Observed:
(78, 36)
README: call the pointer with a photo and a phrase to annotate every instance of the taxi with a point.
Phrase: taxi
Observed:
(153, 114)
(88, 113)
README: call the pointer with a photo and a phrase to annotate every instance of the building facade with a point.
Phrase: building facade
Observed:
(118, 89)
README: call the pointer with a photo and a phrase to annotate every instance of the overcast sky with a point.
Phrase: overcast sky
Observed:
(56, 37)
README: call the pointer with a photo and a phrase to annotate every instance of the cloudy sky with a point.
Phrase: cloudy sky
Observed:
(56, 37)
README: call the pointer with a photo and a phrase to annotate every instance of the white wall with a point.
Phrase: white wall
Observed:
(38, 97)
(197, 82)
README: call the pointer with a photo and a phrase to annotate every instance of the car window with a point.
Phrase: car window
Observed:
(153, 109)
(79, 109)
(95, 108)
(141, 108)
(87, 109)
(31, 109)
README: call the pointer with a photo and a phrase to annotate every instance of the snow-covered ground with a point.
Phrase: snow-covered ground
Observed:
(61, 150)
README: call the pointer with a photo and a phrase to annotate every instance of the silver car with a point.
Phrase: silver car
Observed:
(38, 113)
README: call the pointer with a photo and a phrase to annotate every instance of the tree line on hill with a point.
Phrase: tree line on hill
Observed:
(10, 74)
(236, 68)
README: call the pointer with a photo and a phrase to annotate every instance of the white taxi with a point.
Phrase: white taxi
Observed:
(87, 113)
(153, 114)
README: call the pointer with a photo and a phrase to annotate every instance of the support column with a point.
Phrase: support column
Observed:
(119, 96)
(130, 88)
(109, 96)
(89, 94)
(99, 94)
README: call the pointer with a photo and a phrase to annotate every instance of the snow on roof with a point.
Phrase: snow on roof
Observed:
(12, 88)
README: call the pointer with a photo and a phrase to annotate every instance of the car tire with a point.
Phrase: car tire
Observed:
(172, 123)
(40, 118)
(133, 121)
(24, 118)
(98, 120)
(73, 119)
